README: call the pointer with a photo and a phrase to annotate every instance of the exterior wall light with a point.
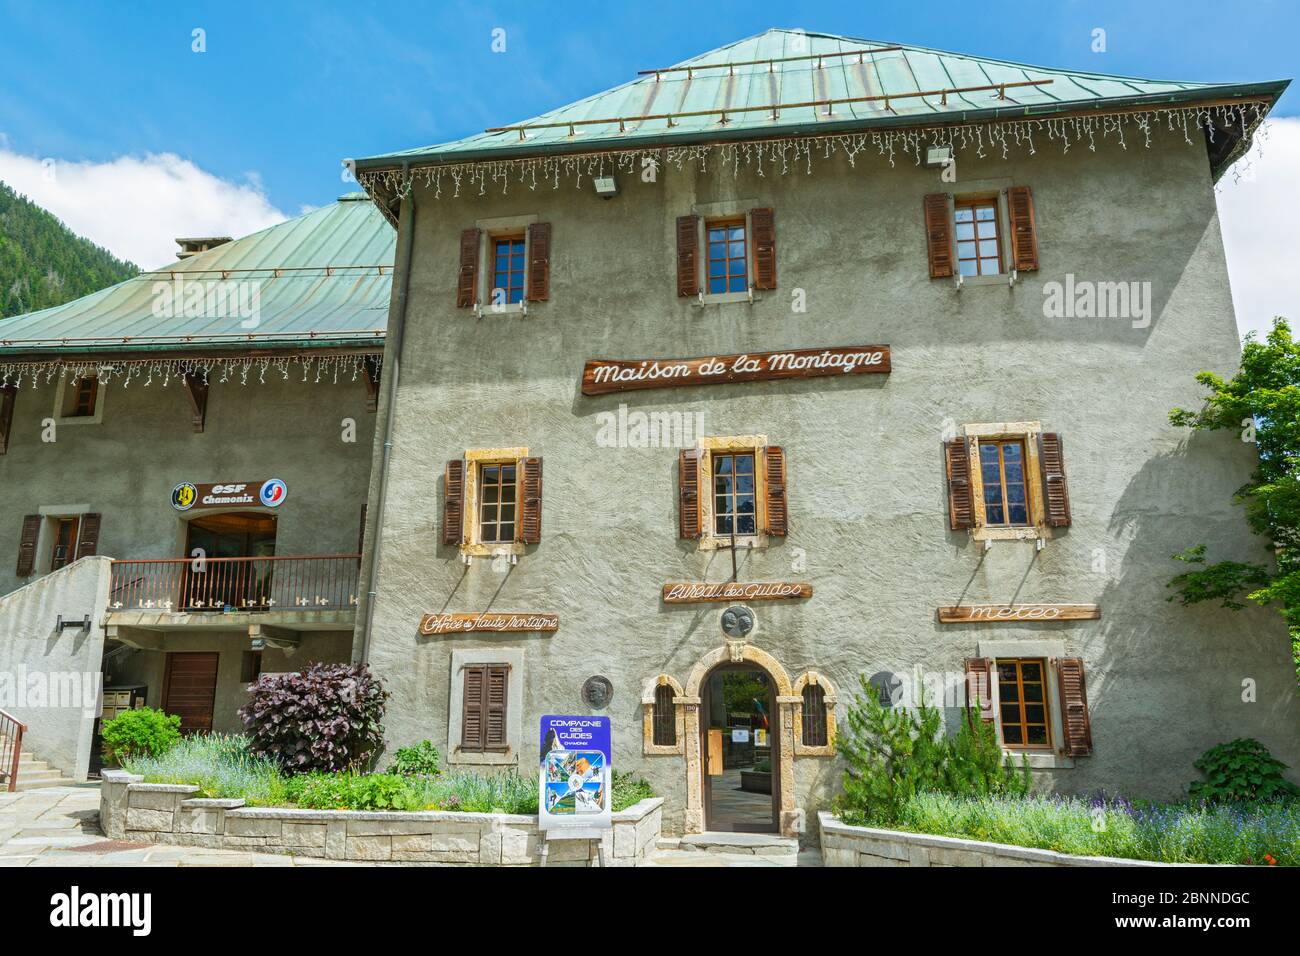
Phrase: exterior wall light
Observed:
(937, 156)
(606, 188)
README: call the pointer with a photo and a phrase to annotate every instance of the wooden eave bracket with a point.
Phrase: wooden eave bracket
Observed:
(197, 391)
(8, 395)
(372, 374)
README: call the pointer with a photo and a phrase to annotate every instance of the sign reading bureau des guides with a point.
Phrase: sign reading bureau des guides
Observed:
(601, 376)
(575, 784)
(270, 493)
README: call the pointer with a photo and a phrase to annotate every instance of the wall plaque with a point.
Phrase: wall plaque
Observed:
(464, 623)
(597, 691)
(601, 376)
(1010, 613)
(688, 592)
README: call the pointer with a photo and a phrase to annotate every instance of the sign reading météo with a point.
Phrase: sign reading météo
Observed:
(601, 376)
(1002, 613)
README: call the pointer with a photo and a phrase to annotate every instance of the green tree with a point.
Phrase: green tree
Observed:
(1262, 401)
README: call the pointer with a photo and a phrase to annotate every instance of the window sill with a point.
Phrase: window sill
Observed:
(977, 282)
(97, 419)
(724, 298)
(491, 550)
(1040, 759)
(509, 759)
(743, 543)
(986, 533)
(513, 308)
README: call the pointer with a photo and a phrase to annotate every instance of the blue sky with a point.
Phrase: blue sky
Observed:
(285, 90)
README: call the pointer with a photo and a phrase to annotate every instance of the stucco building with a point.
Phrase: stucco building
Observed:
(184, 460)
(886, 337)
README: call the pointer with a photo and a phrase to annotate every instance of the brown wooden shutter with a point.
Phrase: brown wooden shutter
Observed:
(88, 542)
(467, 277)
(979, 689)
(361, 533)
(1024, 231)
(961, 495)
(494, 713)
(938, 236)
(688, 493)
(27, 545)
(688, 247)
(1076, 726)
(8, 395)
(539, 261)
(764, 223)
(1056, 491)
(778, 512)
(453, 503)
(471, 720)
(530, 523)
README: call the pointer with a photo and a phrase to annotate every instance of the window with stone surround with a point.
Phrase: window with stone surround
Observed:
(1023, 703)
(814, 716)
(663, 717)
(1006, 480)
(732, 489)
(492, 501)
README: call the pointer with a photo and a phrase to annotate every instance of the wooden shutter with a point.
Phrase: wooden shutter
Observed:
(8, 395)
(1056, 491)
(688, 247)
(494, 711)
(88, 543)
(1076, 727)
(688, 493)
(471, 720)
(453, 503)
(539, 261)
(938, 236)
(979, 689)
(27, 545)
(764, 223)
(530, 523)
(1024, 232)
(961, 495)
(778, 517)
(467, 277)
(361, 532)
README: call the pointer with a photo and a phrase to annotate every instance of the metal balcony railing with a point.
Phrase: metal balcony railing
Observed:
(192, 585)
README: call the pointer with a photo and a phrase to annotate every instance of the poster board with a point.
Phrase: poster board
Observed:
(575, 779)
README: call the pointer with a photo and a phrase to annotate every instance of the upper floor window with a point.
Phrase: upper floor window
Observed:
(733, 494)
(1022, 700)
(507, 270)
(497, 502)
(65, 542)
(979, 244)
(1002, 473)
(728, 269)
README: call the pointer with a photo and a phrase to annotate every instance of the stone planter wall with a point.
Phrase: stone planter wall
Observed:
(844, 845)
(130, 809)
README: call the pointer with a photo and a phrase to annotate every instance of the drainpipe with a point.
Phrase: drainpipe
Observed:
(392, 365)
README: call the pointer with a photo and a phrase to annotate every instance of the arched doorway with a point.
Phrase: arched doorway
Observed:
(739, 734)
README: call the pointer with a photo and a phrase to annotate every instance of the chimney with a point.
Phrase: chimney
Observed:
(192, 247)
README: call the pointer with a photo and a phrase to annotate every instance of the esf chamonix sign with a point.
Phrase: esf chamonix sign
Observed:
(269, 493)
(1009, 613)
(688, 592)
(602, 376)
(500, 623)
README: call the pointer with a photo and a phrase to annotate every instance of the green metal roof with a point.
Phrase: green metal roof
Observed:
(323, 279)
(895, 72)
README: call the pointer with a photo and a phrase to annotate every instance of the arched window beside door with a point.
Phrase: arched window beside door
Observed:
(663, 719)
(815, 722)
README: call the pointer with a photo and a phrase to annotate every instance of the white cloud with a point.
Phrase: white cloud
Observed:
(1257, 213)
(137, 207)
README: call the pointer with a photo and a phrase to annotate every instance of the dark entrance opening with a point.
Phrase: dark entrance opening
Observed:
(739, 737)
(213, 579)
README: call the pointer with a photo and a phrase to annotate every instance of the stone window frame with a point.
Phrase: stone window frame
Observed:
(460, 657)
(708, 541)
(648, 746)
(1027, 432)
(474, 458)
(491, 230)
(1050, 652)
(60, 397)
(831, 698)
(50, 515)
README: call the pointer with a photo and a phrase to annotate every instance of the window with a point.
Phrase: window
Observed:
(1002, 474)
(979, 245)
(1023, 701)
(665, 719)
(507, 270)
(727, 259)
(250, 667)
(733, 493)
(483, 720)
(65, 542)
(814, 716)
(497, 501)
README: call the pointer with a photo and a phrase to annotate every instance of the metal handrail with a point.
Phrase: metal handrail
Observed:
(321, 582)
(11, 749)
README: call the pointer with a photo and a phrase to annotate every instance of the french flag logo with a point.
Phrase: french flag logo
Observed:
(273, 493)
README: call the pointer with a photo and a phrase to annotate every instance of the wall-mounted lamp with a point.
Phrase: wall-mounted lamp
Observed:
(938, 156)
(606, 188)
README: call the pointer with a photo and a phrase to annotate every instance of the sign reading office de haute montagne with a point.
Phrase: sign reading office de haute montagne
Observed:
(601, 376)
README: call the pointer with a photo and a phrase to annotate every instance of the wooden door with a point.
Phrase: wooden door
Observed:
(190, 690)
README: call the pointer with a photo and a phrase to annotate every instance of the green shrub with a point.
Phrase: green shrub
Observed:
(143, 732)
(894, 754)
(351, 791)
(422, 760)
(1242, 771)
(219, 765)
(629, 790)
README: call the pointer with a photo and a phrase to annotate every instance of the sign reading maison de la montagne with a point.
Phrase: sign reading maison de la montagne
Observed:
(601, 376)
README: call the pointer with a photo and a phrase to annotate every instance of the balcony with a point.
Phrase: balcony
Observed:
(267, 596)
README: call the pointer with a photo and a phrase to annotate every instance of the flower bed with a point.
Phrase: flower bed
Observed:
(1260, 834)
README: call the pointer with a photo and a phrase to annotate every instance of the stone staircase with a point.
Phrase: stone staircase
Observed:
(732, 849)
(34, 774)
